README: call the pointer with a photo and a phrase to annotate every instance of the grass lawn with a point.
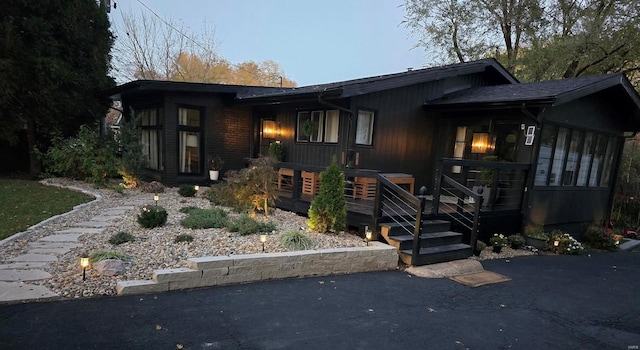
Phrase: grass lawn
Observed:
(24, 203)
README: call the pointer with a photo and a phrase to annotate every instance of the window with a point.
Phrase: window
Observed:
(151, 137)
(332, 125)
(458, 147)
(318, 126)
(364, 128)
(574, 158)
(189, 140)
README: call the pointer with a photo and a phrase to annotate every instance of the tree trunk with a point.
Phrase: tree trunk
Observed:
(35, 168)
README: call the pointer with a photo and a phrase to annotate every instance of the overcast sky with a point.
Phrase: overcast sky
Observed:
(314, 41)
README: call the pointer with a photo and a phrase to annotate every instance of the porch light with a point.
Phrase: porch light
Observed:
(268, 129)
(480, 142)
(84, 263)
(263, 239)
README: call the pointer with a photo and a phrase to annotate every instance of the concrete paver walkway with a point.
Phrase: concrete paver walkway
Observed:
(31, 266)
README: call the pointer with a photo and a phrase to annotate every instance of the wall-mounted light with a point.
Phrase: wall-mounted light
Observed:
(269, 129)
(263, 239)
(84, 263)
(480, 142)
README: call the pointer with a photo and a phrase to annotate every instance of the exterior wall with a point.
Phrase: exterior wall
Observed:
(573, 208)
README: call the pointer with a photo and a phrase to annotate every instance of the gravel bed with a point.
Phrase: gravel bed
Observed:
(153, 248)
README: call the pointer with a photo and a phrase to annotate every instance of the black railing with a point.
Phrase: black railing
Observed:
(396, 204)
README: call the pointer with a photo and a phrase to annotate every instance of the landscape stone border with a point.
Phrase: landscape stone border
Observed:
(222, 270)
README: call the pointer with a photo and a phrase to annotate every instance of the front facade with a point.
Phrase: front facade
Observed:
(555, 145)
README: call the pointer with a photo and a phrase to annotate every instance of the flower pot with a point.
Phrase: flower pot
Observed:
(497, 248)
(214, 174)
(537, 243)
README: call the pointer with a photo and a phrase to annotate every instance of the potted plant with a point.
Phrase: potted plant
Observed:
(498, 241)
(276, 150)
(535, 236)
(487, 179)
(215, 164)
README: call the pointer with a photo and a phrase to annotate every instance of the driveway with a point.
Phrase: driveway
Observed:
(552, 302)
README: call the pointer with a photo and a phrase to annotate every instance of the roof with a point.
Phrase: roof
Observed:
(361, 86)
(551, 92)
(179, 86)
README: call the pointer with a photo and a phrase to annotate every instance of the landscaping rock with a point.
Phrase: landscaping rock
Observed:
(109, 267)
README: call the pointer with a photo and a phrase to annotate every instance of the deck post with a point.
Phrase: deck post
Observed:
(417, 232)
(295, 191)
(435, 207)
(377, 207)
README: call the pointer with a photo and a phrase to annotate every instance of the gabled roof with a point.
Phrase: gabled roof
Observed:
(552, 92)
(356, 87)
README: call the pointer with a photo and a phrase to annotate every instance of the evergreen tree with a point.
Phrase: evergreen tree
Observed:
(54, 59)
(328, 211)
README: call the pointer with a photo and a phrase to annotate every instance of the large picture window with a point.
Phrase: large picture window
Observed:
(571, 157)
(151, 137)
(189, 132)
(364, 128)
(318, 126)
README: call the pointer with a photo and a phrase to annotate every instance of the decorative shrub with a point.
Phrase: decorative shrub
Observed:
(89, 155)
(562, 243)
(222, 194)
(152, 187)
(245, 225)
(187, 190)
(254, 187)
(499, 240)
(328, 210)
(188, 210)
(480, 245)
(600, 238)
(535, 231)
(296, 240)
(516, 241)
(100, 255)
(152, 216)
(121, 237)
(205, 218)
(183, 238)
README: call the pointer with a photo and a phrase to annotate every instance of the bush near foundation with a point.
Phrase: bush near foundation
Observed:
(152, 216)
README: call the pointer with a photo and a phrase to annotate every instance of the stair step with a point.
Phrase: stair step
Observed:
(432, 239)
(435, 226)
(395, 229)
(432, 255)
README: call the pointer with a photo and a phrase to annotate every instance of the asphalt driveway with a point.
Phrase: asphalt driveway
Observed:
(552, 302)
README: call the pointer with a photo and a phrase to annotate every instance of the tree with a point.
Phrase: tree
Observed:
(54, 58)
(328, 210)
(534, 39)
(155, 49)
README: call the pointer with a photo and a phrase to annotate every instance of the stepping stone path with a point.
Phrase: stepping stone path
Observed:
(29, 267)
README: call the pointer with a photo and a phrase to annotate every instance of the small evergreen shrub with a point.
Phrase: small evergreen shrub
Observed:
(121, 237)
(296, 240)
(152, 216)
(221, 194)
(183, 238)
(516, 241)
(187, 190)
(328, 209)
(205, 218)
(245, 225)
(188, 210)
(600, 238)
(100, 255)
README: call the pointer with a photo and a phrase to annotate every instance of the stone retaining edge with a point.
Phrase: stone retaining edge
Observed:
(222, 270)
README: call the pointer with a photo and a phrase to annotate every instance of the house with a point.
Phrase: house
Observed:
(463, 146)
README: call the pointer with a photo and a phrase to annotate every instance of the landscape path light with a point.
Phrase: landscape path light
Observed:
(84, 263)
(368, 234)
(156, 198)
(263, 239)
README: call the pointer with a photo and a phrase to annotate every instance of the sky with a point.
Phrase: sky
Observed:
(313, 41)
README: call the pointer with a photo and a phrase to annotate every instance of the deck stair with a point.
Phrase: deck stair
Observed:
(437, 242)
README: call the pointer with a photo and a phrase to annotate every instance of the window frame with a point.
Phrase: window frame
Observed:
(371, 128)
(190, 130)
(322, 121)
(149, 130)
